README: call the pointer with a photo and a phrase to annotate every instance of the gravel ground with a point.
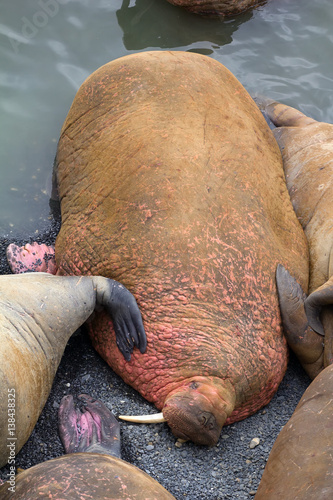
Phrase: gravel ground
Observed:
(229, 470)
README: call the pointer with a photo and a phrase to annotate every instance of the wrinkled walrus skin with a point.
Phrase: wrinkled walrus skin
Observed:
(179, 193)
(300, 465)
(85, 475)
(38, 314)
(307, 151)
(220, 8)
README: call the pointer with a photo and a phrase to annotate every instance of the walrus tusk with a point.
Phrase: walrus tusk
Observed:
(144, 419)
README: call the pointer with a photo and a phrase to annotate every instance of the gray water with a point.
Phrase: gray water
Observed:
(283, 49)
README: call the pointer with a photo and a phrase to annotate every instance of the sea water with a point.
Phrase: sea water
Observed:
(284, 50)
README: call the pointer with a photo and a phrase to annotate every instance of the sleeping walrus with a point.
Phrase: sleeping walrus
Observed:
(307, 151)
(170, 181)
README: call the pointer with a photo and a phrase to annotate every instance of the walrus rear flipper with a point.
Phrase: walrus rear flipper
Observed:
(31, 258)
(280, 114)
(94, 429)
(319, 310)
(301, 338)
(327, 318)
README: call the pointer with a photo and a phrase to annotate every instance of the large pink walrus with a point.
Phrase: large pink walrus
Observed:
(307, 151)
(171, 182)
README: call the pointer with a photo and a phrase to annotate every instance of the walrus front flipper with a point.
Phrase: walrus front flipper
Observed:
(290, 125)
(31, 258)
(301, 338)
(281, 114)
(94, 429)
(125, 315)
(319, 311)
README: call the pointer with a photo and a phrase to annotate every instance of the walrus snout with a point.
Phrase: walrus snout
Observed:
(207, 420)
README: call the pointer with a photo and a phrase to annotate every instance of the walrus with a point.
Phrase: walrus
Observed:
(217, 8)
(92, 469)
(38, 314)
(300, 465)
(307, 152)
(179, 193)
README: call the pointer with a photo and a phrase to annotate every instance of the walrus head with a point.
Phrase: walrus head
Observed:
(196, 410)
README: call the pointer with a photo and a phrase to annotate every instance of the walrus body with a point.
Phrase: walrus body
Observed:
(85, 475)
(179, 192)
(300, 465)
(38, 314)
(220, 8)
(307, 151)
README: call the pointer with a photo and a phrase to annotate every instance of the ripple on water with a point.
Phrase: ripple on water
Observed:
(281, 50)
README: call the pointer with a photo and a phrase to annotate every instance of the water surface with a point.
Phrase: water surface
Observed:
(283, 49)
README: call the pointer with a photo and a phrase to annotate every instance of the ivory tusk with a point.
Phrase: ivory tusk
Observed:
(144, 419)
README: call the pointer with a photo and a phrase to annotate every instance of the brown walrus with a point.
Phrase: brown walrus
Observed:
(221, 8)
(179, 193)
(300, 465)
(307, 151)
(38, 314)
(92, 469)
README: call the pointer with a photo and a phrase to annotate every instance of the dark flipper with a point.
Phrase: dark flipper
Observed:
(94, 429)
(125, 315)
(323, 296)
(306, 343)
(291, 299)
(327, 318)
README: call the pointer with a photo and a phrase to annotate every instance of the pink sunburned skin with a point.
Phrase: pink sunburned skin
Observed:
(88, 424)
(33, 257)
(81, 428)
